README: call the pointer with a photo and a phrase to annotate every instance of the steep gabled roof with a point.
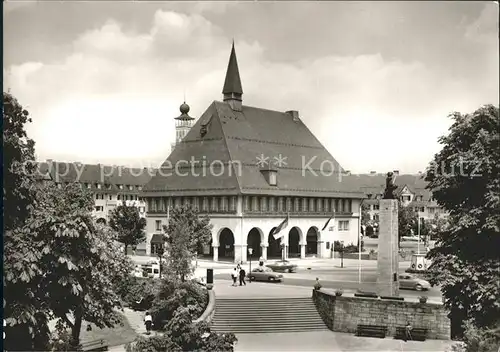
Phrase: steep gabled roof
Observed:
(233, 142)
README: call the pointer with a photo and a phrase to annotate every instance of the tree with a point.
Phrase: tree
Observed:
(21, 306)
(128, 224)
(198, 229)
(463, 178)
(19, 167)
(187, 233)
(406, 221)
(71, 265)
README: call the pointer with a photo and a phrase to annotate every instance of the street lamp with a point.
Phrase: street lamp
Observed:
(250, 251)
(160, 251)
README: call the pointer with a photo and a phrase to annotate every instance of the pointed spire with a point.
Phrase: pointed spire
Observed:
(232, 83)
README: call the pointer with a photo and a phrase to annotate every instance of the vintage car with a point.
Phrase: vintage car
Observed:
(264, 274)
(410, 282)
(283, 266)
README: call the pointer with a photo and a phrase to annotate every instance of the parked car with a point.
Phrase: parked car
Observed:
(264, 274)
(410, 282)
(283, 266)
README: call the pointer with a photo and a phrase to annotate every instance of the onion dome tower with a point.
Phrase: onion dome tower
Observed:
(183, 124)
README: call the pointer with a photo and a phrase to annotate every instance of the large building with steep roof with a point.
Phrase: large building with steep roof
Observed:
(247, 168)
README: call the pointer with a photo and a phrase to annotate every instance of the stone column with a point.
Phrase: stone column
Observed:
(302, 251)
(216, 253)
(240, 253)
(263, 248)
(388, 257)
(320, 249)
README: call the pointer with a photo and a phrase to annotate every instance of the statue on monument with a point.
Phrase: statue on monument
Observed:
(390, 187)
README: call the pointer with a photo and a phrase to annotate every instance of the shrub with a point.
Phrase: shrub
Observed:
(173, 295)
(479, 340)
(131, 289)
(183, 335)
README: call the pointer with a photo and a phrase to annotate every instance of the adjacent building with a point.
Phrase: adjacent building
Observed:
(110, 185)
(411, 192)
(249, 169)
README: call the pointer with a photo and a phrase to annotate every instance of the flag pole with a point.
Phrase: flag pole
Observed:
(359, 240)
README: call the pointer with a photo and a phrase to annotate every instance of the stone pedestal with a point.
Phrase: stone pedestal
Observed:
(216, 253)
(388, 257)
(302, 251)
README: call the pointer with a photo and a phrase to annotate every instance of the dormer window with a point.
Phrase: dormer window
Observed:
(139, 188)
(120, 186)
(131, 188)
(98, 185)
(271, 176)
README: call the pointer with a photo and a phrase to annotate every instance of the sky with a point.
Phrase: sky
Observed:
(374, 81)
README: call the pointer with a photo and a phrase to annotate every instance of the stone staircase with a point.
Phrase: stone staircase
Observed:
(264, 315)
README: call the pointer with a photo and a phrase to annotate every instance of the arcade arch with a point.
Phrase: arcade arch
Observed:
(226, 245)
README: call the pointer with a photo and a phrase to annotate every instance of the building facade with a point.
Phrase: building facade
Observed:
(110, 185)
(249, 169)
(411, 192)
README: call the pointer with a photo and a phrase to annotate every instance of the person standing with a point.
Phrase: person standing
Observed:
(234, 276)
(148, 321)
(242, 277)
(261, 261)
(408, 331)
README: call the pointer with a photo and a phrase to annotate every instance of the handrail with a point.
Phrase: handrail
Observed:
(209, 310)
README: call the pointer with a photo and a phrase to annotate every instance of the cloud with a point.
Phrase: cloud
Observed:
(114, 96)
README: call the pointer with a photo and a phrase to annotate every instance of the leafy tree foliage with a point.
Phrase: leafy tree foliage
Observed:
(186, 235)
(198, 229)
(184, 335)
(406, 221)
(19, 169)
(71, 265)
(19, 196)
(479, 340)
(128, 224)
(464, 180)
(174, 295)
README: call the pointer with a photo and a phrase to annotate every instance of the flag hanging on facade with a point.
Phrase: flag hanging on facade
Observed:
(280, 227)
(328, 221)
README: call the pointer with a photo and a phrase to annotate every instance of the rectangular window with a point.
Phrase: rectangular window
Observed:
(289, 204)
(246, 202)
(319, 204)
(304, 204)
(312, 208)
(158, 225)
(337, 207)
(432, 210)
(280, 204)
(343, 225)
(376, 207)
(422, 209)
(349, 206)
(213, 207)
(232, 205)
(205, 204)
(272, 204)
(187, 201)
(263, 203)
(375, 217)
(110, 197)
(297, 204)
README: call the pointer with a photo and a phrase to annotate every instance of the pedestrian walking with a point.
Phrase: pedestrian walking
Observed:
(148, 321)
(407, 332)
(242, 277)
(261, 261)
(234, 276)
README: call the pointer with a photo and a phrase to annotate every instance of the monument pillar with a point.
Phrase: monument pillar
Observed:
(388, 251)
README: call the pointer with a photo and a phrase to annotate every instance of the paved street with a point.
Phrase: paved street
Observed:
(331, 341)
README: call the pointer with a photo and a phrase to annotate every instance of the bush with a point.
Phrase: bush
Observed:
(479, 340)
(183, 335)
(131, 289)
(351, 248)
(173, 295)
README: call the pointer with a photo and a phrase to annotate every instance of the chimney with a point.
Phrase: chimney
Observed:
(294, 114)
(396, 172)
